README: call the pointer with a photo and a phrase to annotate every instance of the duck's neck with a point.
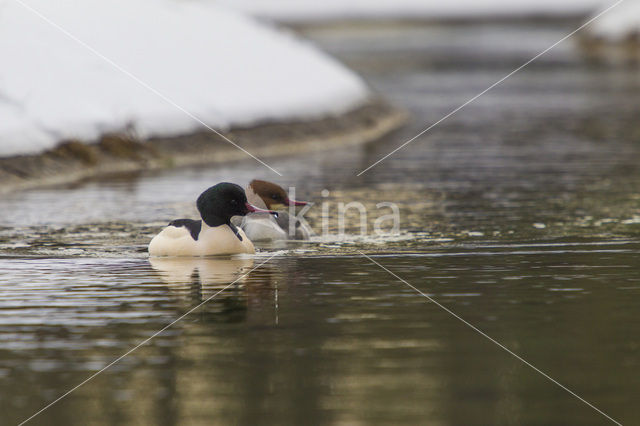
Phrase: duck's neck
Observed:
(213, 221)
(216, 223)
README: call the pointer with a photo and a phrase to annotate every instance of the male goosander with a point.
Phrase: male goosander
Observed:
(261, 227)
(214, 234)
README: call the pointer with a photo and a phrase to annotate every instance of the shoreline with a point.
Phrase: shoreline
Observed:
(72, 161)
(303, 26)
(601, 51)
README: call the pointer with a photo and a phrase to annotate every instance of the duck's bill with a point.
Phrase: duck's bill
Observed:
(253, 209)
(291, 202)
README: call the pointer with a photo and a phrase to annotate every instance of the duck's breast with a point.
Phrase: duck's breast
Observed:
(220, 240)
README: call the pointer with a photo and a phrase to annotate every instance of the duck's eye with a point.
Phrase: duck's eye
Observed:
(234, 201)
(274, 196)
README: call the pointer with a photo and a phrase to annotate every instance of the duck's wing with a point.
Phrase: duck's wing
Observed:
(302, 231)
(284, 220)
(193, 226)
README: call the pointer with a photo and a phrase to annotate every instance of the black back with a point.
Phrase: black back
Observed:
(194, 226)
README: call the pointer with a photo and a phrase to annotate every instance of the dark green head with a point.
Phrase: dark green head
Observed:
(218, 204)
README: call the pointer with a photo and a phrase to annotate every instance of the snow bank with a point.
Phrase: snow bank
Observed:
(618, 24)
(224, 68)
(308, 10)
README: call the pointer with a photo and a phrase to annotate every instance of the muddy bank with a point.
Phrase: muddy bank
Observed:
(599, 50)
(73, 160)
(408, 22)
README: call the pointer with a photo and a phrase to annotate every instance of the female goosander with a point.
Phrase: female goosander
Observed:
(261, 227)
(214, 234)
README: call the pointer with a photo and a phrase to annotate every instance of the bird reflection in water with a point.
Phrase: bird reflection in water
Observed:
(235, 287)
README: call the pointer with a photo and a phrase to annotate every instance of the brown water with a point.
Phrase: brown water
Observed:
(521, 214)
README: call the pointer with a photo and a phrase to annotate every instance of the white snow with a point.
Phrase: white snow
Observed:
(619, 23)
(224, 68)
(311, 10)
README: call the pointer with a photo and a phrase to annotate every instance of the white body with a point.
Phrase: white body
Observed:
(262, 227)
(217, 240)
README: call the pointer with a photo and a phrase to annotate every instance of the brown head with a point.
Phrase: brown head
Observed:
(271, 194)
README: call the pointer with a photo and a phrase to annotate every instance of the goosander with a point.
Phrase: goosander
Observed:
(214, 234)
(261, 227)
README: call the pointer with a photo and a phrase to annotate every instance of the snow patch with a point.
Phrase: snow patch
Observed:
(306, 10)
(619, 23)
(222, 67)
